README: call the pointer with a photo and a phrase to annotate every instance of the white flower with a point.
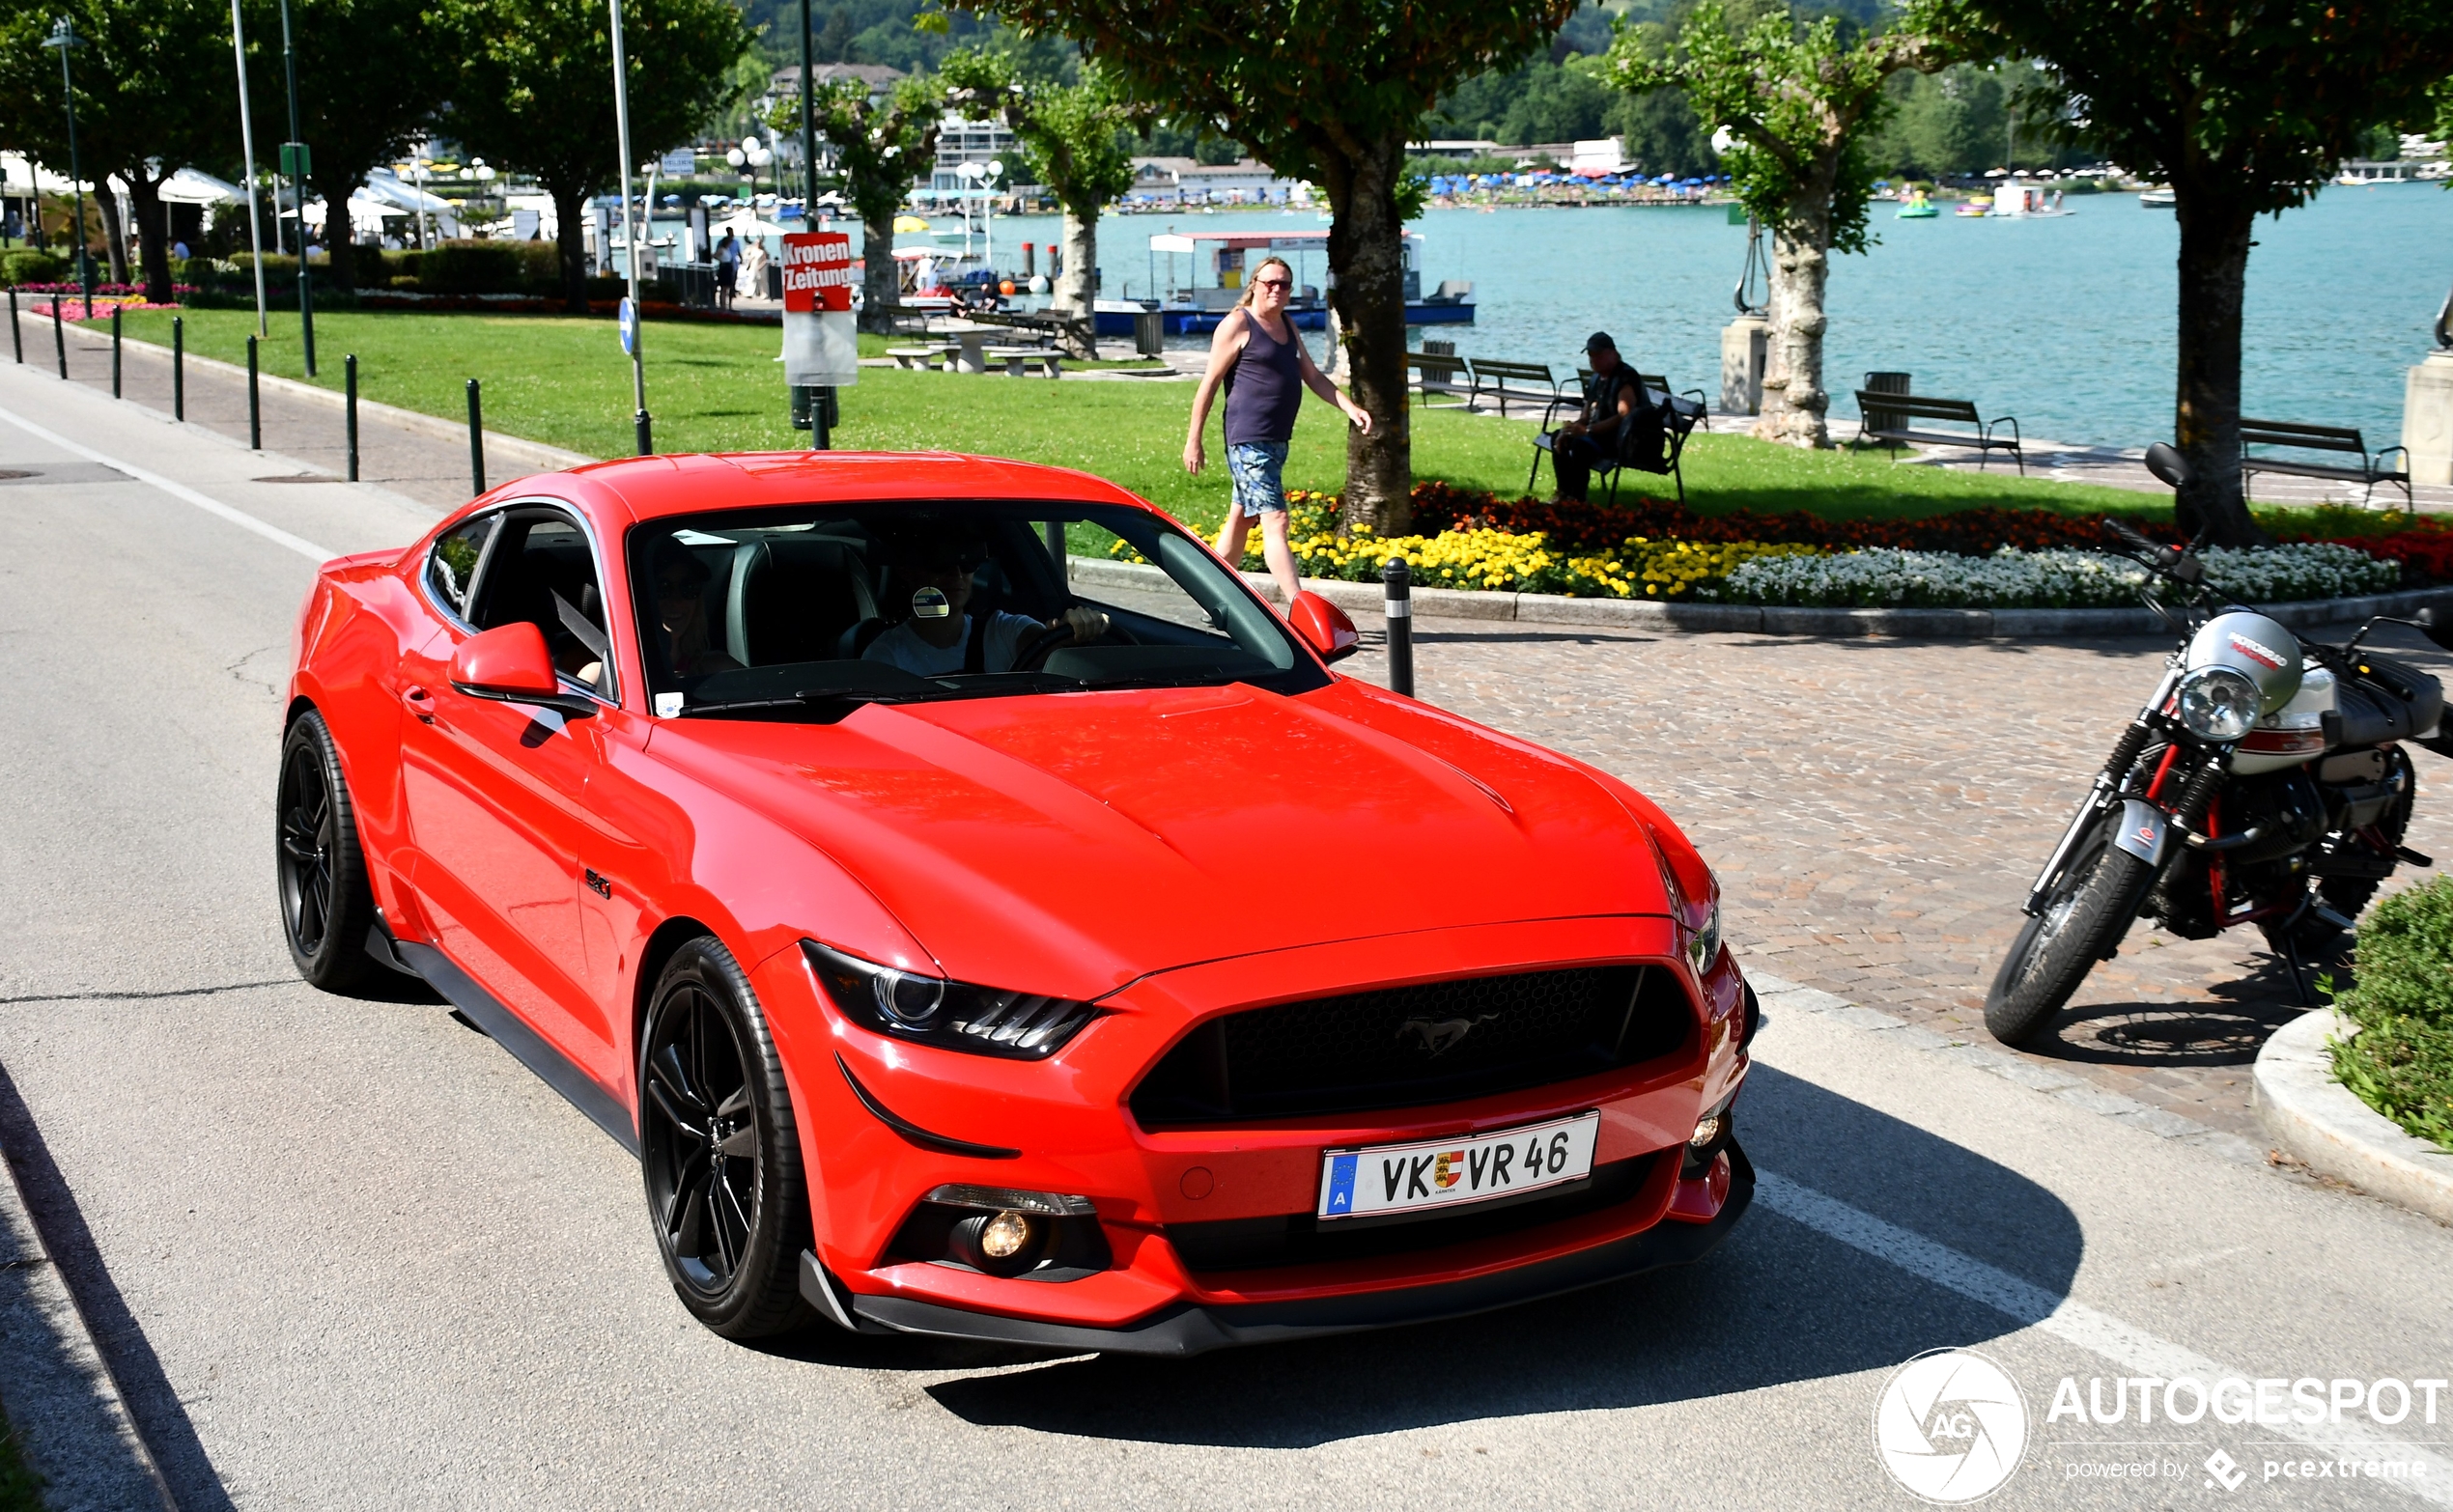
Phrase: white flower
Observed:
(2054, 579)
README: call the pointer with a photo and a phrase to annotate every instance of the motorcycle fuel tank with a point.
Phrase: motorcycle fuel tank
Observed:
(2254, 646)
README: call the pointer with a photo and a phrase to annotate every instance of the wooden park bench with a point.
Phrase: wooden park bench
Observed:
(1440, 375)
(1020, 360)
(1505, 380)
(2344, 441)
(922, 358)
(1889, 418)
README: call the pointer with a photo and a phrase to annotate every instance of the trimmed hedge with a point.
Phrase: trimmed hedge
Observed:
(2401, 1061)
(26, 265)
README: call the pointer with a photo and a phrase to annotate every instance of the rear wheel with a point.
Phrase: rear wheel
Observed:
(2083, 919)
(720, 1151)
(317, 867)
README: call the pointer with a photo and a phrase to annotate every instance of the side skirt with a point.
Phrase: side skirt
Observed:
(506, 1029)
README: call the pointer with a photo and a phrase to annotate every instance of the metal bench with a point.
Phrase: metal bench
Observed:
(2343, 439)
(1680, 415)
(921, 357)
(1439, 375)
(1505, 380)
(1020, 360)
(1887, 418)
(1703, 420)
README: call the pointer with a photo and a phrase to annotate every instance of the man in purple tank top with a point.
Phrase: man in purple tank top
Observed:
(1265, 368)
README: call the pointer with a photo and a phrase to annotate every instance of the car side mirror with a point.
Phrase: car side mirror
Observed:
(2435, 621)
(511, 664)
(1324, 627)
(2168, 466)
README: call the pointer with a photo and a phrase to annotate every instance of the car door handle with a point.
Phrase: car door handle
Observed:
(421, 703)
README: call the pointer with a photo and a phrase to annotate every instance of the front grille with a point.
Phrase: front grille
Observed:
(1300, 1239)
(1412, 1046)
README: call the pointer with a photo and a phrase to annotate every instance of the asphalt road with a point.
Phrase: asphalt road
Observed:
(346, 1253)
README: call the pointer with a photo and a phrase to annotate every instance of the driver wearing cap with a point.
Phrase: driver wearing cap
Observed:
(938, 637)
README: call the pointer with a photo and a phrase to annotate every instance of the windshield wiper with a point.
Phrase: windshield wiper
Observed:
(821, 697)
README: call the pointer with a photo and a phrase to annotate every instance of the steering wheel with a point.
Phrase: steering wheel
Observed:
(1036, 649)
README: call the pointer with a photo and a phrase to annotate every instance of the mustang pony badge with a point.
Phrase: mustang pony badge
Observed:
(1438, 1036)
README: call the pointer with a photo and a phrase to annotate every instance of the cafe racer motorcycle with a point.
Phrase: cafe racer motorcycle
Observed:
(2264, 782)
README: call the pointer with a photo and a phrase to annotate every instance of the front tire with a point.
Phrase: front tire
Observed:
(721, 1150)
(2083, 919)
(326, 908)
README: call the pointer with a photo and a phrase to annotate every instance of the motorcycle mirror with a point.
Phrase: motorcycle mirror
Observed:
(2166, 463)
(2437, 622)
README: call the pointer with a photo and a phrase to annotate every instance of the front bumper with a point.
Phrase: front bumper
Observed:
(1186, 1328)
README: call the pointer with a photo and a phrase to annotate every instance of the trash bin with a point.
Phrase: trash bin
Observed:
(1149, 332)
(1886, 383)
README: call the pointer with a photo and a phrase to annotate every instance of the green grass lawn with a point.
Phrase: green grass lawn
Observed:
(714, 387)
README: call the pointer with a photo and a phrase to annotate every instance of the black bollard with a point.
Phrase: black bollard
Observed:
(115, 352)
(822, 418)
(476, 441)
(59, 338)
(1396, 584)
(349, 385)
(255, 402)
(646, 436)
(178, 367)
(17, 333)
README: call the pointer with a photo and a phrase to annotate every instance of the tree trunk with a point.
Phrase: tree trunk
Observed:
(2214, 236)
(340, 232)
(1367, 267)
(152, 235)
(1794, 401)
(570, 205)
(880, 297)
(114, 228)
(1077, 288)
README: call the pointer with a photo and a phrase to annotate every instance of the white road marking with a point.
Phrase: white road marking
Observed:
(2131, 1348)
(178, 490)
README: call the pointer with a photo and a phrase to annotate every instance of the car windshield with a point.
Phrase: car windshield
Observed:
(803, 612)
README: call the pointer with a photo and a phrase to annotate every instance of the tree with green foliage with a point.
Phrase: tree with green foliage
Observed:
(137, 114)
(370, 80)
(1077, 139)
(1329, 90)
(1798, 101)
(882, 144)
(2244, 107)
(535, 93)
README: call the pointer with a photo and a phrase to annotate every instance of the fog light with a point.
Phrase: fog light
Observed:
(1005, 1236)
(1706, 1130)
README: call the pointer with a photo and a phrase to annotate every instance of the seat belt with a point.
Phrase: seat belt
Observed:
(976, 649)
(581, 628)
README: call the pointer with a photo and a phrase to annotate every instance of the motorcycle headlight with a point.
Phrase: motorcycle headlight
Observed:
(2218, 703)
(956, 1015)
(1703, 946)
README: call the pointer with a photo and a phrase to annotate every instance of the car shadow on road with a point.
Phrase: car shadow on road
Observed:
(1777, 1303)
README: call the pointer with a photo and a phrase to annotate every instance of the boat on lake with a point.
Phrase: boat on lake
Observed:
(1194, 307)
(2024, 201)
(1976, 206)
(1918, 208)
(2157, 199)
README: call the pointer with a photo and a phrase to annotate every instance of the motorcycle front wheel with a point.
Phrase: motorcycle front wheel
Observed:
(2083, 919)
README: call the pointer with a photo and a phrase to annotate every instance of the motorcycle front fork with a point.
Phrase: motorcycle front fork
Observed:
(2100, 796)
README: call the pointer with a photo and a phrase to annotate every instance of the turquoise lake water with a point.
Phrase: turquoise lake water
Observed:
(2066, 324)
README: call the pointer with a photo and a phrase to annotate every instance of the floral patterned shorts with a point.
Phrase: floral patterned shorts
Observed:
(1258, 469)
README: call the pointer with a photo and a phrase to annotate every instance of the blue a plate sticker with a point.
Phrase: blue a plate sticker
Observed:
(1341, 1183)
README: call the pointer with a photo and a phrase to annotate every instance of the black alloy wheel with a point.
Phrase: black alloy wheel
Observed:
(320, 870)
(720, 1151)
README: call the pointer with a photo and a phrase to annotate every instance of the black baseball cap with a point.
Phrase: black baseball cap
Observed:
(1599, 340)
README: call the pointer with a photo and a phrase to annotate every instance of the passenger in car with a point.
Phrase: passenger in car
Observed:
(681, 613)
(936, 637)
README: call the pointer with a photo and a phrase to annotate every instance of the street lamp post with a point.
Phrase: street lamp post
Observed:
(296, 166)
(64, 37)
(247, 145)
(629, 236)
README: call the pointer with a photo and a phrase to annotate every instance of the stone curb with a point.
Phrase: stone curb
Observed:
(1779, 995)
(65, 1408)
(1542, 608)
(2323, 1124)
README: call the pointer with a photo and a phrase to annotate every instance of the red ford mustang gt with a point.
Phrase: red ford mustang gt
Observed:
(974, 939)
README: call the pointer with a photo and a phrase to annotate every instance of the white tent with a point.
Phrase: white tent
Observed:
(195, 187)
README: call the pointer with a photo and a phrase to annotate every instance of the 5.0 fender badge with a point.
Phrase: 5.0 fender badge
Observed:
(599, 883)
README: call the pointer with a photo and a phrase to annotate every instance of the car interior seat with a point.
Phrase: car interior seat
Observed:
(791, 599)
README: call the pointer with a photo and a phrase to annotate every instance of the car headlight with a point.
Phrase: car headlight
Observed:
(2218, 703)
(957, 1015)
(1703, 946)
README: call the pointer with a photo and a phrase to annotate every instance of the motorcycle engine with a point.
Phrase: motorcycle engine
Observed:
(2290, 813)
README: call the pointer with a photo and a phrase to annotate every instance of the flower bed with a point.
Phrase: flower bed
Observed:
(2060, 579)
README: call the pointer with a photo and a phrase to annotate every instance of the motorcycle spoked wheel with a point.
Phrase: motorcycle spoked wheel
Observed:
(2083, 919)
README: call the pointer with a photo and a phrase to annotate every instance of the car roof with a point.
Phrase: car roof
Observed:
(655, 488)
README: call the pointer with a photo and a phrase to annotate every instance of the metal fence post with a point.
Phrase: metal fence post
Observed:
(17, 333)
(348, 371)
(59, 338)
(115, 353)
(476, 441)
(255, 404)
(178, 367)
(1397, 585)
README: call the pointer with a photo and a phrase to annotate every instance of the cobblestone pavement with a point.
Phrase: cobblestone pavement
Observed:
(1876, 809)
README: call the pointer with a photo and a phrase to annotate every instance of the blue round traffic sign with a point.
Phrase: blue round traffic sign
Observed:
(629, 328)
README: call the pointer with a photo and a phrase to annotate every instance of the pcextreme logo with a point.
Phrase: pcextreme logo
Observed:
(1951, 1426)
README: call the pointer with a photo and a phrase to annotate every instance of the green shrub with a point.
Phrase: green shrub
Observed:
(2401, 1061)
(26, 265)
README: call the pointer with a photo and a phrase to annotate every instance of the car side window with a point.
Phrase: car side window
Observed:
(451, 570)
(541, 571)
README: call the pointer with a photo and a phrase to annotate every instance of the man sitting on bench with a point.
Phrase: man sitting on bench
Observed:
(1599, 436)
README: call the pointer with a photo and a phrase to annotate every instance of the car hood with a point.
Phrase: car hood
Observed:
(1069, 842)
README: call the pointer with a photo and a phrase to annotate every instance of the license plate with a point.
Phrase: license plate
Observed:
(1443, 1173)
